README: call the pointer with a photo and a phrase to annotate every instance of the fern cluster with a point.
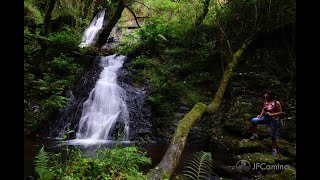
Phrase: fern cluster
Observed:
(116, 163)
(198, 167)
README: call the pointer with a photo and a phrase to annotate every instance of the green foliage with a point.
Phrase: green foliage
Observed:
(47, 91)
(51, 65)
(129, 43)
(74, 9)
(32, 14)
(65, 135)
(199, 167)
(168, 25)
(69, 39)
(61, 72)
(64, 65)
(116, 163)
(55, 102)
(40, 4)
(42, 165)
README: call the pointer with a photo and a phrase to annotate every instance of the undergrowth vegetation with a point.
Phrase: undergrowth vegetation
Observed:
(115, 163)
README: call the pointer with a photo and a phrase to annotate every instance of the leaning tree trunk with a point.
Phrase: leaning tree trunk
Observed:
(103, 37)
(47, 17)
(169, 162)
(204, 13)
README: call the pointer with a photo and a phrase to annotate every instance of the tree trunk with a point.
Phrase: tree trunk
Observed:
(169, 162)
(103, 37)
(204, 12)
(47, 17)
(215, 103)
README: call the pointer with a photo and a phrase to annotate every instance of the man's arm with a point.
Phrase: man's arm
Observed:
(261, 114)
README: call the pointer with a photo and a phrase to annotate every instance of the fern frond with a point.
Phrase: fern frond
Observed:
(41, 165)
(198, 167)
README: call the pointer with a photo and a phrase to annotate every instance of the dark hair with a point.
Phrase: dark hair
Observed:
(271, 94)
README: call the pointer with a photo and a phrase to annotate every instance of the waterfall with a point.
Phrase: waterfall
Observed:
(90, 34)
(104, 107)
(97, 107)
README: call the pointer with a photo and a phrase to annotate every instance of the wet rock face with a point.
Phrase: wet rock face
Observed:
(140, 127)
(118, 131)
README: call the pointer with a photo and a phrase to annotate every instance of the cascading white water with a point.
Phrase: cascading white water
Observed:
(90, 34)
(104, 107)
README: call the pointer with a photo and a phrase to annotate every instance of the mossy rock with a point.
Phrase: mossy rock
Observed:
(246, 145)
(257, 158)
(227, 143)
(236, 125)
(287, 174)
(239, 115)
(264, 158)
(263, 130)
(242, 126)
(283, 160)
(285, 147)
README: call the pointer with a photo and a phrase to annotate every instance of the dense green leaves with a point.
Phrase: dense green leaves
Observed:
(51, 65)
(32, 15)
(116, 163)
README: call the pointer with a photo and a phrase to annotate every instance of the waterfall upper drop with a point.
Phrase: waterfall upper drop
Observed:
(90, 34)
(104, 107)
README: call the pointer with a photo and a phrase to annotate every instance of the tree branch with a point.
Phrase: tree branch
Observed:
(135, 17)
(228, 42)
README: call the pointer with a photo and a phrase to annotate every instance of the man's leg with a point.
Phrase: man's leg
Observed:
(274, 133)
(255, 121)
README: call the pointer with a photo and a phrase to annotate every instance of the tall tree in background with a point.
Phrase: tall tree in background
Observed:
(204, 12)
(47, 17)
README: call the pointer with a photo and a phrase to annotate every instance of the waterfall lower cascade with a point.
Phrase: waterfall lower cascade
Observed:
(90, 34)
(104, 107)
